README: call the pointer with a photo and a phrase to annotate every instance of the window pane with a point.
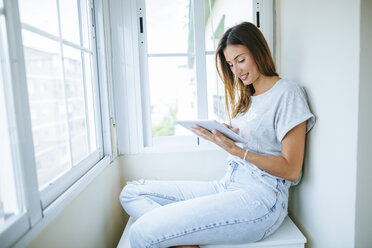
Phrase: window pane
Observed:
(9, 199)
(221, 15)
(41, 14)
(1, 4)
(47, 106)
(168, 27)
(172, 92)
(85, 24)
(69, 20)
(216, 94)
(76, 103)
(90, 102)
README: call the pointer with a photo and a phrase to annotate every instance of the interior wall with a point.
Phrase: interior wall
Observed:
(319, 49)
(363, 220)
(192, 165)
(94, 218)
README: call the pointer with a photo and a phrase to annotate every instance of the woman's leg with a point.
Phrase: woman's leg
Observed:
(142, 196)
(229, 217)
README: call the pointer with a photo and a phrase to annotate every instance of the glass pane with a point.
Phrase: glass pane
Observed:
(76, 103)
(216, 94)
(47, 106)
(90, 101)
(9, 204)
(168, 28)
(69, 20)
(85, 24)
(172, 93)
(41, 14)
(221, 15)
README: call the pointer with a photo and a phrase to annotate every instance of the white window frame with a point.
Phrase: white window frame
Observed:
(41, 207)
(131, 78)
(50, 192)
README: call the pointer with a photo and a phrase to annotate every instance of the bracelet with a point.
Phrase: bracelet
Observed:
(245, 154)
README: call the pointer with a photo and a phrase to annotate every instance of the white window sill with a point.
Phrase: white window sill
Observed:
(166, 148)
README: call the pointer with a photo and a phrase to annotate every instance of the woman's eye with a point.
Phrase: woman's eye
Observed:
(241, 61)
(230, 65)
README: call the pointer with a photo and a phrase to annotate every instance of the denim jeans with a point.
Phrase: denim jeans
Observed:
(246, 205)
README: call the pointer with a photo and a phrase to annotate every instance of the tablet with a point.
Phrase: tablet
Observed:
(211, 125)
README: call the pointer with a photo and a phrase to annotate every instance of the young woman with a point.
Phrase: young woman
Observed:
(250, 201)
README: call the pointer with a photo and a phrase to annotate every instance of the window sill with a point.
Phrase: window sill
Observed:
(181, 148)
(61, 202)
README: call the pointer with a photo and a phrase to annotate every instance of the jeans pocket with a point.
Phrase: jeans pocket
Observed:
(233, 168)
(270, 181)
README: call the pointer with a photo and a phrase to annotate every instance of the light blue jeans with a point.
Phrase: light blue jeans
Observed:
(246, 205)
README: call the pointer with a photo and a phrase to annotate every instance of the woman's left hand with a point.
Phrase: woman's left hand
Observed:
(216, 137)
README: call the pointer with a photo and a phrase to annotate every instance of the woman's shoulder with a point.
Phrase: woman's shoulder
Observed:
(286, 84)
(286, 87)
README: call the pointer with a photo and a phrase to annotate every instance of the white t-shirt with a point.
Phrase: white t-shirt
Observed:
(271, 116)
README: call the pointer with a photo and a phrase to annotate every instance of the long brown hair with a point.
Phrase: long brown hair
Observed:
(237, 95)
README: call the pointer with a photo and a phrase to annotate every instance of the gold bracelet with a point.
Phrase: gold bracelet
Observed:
(245, 154)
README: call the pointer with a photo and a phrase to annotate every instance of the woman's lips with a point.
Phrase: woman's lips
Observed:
(244, 76)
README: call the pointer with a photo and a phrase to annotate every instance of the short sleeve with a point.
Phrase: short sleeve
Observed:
(293, 109)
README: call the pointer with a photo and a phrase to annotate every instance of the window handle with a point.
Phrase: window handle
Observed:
(141, 25)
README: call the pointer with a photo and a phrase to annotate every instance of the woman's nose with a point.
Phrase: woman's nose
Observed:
(236, 70)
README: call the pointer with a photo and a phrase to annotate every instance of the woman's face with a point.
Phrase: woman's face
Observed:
(241, 63)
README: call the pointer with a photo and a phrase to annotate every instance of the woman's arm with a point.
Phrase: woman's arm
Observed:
(287, 166)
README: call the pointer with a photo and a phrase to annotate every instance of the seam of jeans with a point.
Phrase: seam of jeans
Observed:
(172, 198)
(271, 228)
(235, 167)
(212, 226)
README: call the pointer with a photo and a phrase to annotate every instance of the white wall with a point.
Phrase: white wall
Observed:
(319, 48)
(193, 165)
(94, 218)
(364, 172)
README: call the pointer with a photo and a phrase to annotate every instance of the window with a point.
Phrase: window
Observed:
(177, 59)
(14, 218)
(11, 202)
(52, 114)
(58, 52)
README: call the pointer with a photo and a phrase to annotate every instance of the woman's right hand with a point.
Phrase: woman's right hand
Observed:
(235, 130)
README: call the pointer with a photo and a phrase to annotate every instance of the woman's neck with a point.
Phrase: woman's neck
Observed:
(264, 83)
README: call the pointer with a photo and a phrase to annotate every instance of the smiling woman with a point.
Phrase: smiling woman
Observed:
(250, 202)
(245, 55)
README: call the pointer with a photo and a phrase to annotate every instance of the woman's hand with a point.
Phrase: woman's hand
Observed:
(235, 130)
(218, 138)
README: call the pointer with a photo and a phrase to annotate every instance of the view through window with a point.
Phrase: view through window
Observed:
(171, 59)
(10, 200)
(58, 57)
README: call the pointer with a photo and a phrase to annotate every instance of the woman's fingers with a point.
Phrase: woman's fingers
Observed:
(202, 132)
(235, 130)
(215, 136)
(226, 125)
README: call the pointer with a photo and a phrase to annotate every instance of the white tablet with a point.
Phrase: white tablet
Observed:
(211, 125)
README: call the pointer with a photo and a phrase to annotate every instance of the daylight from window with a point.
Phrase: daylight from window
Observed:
(171, 59)
(58, 63)
(9, 201)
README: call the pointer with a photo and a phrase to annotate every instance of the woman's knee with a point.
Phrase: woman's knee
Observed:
(130, 192)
